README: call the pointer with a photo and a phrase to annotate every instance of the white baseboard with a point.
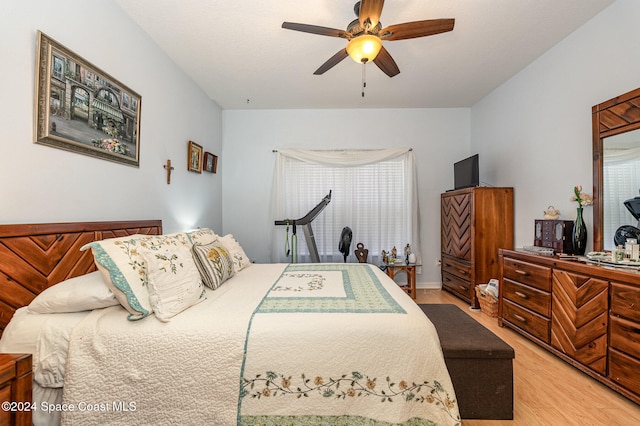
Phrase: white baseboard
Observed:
(429, 285)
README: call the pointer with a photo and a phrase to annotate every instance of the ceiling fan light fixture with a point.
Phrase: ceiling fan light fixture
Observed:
(364, 48)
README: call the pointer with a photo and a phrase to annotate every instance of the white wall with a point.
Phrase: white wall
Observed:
(439, 137)
(44, 184)
(534, 132)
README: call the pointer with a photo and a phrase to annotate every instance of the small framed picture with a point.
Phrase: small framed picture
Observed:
(195, 157)
(210, 162)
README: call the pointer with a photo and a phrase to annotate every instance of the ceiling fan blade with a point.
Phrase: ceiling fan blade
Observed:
(332, 62)
(416, 29)
(315, 29)
(370, 9)
(385, 62)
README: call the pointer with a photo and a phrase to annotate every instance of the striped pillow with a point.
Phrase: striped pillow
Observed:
(213, 262)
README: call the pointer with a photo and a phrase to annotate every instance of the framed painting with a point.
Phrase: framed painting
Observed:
(195, 157)
(80, 108)
(210, 162)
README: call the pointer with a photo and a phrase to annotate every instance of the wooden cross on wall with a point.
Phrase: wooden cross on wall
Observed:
(168, 168)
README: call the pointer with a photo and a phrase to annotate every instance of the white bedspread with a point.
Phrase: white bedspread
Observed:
(276, 344)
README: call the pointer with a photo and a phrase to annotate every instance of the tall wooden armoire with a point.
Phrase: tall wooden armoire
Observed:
(475, 223)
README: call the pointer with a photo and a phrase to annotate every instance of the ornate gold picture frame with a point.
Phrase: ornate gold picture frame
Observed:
(80, 108)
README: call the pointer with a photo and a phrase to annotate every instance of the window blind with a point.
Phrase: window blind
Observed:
(377, 200)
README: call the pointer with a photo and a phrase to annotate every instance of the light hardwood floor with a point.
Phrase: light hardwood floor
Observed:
(547, 390)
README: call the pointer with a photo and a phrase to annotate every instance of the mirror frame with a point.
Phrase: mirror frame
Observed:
(613, 117)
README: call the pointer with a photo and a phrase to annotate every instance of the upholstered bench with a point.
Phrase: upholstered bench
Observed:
(479, 362)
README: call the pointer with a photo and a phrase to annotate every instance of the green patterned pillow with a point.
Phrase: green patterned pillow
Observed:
(213, 262)
(174, 282)
(124, 269)
(236, 253)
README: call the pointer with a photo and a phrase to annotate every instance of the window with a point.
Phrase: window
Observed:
(372, 191)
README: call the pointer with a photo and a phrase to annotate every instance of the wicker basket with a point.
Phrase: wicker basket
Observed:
(488, 302)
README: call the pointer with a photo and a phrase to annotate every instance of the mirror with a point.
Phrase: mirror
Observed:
(616, 166)
(620, 185)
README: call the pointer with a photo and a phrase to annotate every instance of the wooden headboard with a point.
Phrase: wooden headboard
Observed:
(36, 256)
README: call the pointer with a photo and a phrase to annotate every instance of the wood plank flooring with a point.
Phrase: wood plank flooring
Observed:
(547, 390)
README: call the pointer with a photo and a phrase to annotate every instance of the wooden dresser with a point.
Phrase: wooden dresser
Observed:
(15, 389)
(587, 315)
(475, 223)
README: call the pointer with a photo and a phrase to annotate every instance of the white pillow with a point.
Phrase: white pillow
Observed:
(214, 263)
(124, 269)
(83, 293)
(174, 280)
(202, 236)
(21, 334)
(236, 253)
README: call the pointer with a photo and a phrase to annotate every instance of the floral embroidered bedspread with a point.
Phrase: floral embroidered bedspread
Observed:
(341, 344)
(276, 344)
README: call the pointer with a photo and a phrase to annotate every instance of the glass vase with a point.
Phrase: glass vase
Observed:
(579, 234)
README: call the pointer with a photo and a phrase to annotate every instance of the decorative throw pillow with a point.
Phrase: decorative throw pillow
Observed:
(173, 279)
(83, 293)
(124, 269)
(238, 256)
(213, 262)
(202, 236)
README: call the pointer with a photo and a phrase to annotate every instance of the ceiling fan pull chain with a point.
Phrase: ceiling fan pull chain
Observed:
(364, 81)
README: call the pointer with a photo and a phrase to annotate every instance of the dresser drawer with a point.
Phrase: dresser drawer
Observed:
(529, 321)
(625, 301)
(624, 370)
(625, 336)
(528, 273)
(456, 284)
(456, 267)
(5, 395)
(537, 300)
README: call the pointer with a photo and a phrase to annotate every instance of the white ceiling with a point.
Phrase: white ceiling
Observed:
(237, 52)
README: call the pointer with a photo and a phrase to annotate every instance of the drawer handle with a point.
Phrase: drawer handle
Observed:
(448, 265)
(520, 318)
(521, 294)
(521, 272)
(462, 271)
(461, 287)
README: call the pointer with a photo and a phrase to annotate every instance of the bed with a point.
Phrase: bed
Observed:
(265, 344)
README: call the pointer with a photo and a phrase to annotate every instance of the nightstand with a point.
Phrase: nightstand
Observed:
(15, 389)
(393, 268)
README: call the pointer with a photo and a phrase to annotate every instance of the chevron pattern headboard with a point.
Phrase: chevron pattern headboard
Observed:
(36, 256)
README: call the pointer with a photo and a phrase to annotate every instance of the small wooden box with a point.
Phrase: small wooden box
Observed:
(555, 234)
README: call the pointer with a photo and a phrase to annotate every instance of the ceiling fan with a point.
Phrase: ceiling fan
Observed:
(365, 36)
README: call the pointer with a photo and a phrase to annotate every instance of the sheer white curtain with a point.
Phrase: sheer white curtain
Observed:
(621, 174)
(374, 192)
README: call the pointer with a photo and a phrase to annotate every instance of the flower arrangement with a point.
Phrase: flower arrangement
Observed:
(111, 145)
(582, 198)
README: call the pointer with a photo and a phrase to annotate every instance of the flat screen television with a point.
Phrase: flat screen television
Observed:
(466, 173)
